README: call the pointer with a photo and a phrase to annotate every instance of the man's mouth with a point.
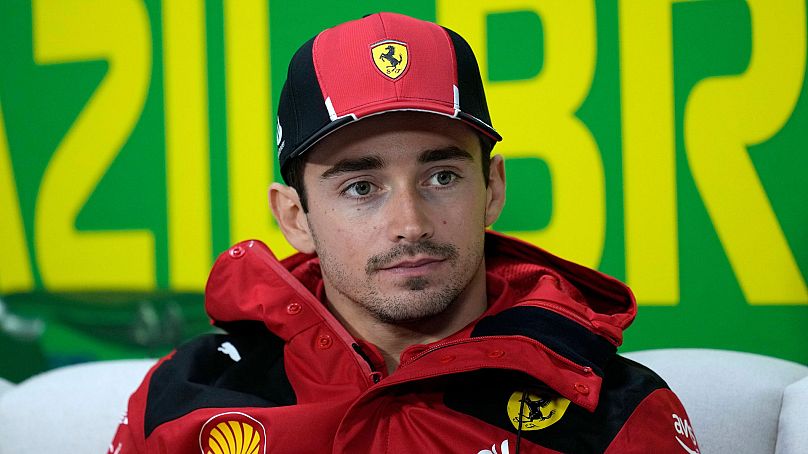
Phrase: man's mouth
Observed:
(414, 266)
(412, 259)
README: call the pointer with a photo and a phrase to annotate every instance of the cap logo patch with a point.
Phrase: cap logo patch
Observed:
(390, 57)
(279, 137)
(535, 411)
(232, 433)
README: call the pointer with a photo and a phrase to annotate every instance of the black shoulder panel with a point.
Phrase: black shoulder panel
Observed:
(204, 373)
(484, 394)
(561, 334)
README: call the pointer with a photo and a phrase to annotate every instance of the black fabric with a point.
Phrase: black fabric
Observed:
(301, 112)
(561, 334)
(484, 394)
(470, 84)
(364, 356)
(303, 146)
(198, 375)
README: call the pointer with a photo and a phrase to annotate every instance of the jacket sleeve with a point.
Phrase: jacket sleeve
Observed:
(130, 438)
(123, 442)
(659, 424)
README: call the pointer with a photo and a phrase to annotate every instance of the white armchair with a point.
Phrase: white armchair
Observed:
(5, 385)
(737, 402)
(71, 409)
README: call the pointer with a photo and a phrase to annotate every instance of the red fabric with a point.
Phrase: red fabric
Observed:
(659, 421)
(341, 66)
(130, 437)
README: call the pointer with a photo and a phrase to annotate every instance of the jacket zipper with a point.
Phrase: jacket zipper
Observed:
(546, 349)
(375, 375)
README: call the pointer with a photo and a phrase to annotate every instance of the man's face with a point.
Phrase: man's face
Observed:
(397, 211)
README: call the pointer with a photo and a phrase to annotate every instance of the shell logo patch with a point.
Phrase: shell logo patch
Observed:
(390, 57)
(232, 433)
(535, 411)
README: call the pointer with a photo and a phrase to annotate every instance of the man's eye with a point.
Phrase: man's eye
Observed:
(443, 178)
(359, 189)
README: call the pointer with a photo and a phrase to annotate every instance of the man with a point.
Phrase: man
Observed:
(401, 326)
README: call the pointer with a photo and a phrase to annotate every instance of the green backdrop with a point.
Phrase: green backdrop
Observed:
(661, 142)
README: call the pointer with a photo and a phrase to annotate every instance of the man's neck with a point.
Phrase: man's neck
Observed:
(393, 338)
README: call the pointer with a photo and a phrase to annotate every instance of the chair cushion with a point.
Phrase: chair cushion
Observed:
(792, 436)
(71, 409)
(733, 398)
(5, 385)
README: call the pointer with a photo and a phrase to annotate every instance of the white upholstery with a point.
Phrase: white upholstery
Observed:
(5, 385)
(792, 434)
(70, 409)
(734, 399)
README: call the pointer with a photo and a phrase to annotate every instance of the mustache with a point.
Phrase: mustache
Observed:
(427, 247)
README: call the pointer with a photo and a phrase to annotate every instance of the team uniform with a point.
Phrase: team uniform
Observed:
(537, 372)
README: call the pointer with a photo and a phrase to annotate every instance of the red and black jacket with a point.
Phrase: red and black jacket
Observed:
(536, 373)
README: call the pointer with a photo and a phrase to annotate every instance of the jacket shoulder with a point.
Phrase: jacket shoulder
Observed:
(657, 419)
(242, 368)
(625, 375)
(628, 387)
(552, 421)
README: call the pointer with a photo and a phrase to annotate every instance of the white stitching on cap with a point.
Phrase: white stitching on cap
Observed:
(279, 138)
(330, 107)
(456, 92)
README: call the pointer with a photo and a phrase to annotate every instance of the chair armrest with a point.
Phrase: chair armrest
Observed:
(71, 409)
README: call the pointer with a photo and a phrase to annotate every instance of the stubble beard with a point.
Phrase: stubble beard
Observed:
(422, 297)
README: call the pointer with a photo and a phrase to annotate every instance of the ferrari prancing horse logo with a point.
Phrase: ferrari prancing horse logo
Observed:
(535, 411)
(390, 57)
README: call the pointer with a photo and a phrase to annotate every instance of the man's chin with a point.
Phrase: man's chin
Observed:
(412, 306)
(405, 287)
(417, 284)
(408, 318)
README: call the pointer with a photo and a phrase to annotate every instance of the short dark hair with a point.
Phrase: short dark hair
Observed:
(293, 172)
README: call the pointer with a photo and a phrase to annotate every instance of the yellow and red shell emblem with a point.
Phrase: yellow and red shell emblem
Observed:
(232, 433)
(390, 57)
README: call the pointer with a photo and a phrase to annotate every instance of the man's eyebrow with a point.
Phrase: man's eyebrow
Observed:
(442, 154)
(353, 165)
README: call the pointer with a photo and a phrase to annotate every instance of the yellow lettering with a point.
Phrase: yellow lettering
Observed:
(537, 117)
(187, 144)
(723, 116)
(649, 153)
(15, 266)
(250, 151)
(118, 33)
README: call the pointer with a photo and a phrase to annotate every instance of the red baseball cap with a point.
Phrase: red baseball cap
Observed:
(381, 63)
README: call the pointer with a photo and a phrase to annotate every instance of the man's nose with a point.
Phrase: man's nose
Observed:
(408, 219)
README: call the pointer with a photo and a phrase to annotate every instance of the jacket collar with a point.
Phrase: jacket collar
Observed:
(576, 311)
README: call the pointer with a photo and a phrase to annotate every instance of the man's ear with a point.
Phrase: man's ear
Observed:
(495, 195)
(291, 218)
